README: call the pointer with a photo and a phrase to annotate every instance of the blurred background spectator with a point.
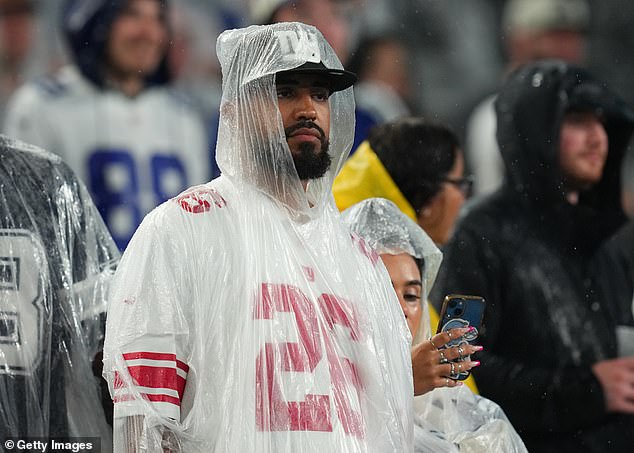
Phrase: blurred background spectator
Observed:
(112, 114)
(416, 164)
(17, 31)
(414, 57)
(383, 91)
(531, 30)
(24, 49)
(458, 48)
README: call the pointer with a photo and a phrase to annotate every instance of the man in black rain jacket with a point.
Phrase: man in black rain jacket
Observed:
(530, 249)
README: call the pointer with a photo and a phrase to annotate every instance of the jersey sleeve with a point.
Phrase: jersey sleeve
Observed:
(147, 340)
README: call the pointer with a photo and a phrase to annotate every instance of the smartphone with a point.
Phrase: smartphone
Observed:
(461, 311)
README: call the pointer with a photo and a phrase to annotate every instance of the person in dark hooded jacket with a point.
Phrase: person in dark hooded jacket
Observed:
(530, 249)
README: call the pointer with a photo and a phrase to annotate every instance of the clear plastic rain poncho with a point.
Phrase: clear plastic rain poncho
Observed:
(244, 316)
(56, 260)
(447, 419)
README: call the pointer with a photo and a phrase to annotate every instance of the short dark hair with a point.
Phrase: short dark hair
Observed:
(417, 154)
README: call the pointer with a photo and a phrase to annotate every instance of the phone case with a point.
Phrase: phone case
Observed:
(461, 311)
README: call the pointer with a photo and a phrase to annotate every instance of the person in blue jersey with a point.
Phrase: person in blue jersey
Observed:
(111, 114)
(56, 261)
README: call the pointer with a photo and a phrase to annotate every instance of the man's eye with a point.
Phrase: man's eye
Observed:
(130, 13)
(321, 95)
(284, 92)
(575, 118)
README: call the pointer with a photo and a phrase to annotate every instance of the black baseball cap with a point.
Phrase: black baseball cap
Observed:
(337, 79)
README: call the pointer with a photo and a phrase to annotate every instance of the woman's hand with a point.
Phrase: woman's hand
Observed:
(433, 367)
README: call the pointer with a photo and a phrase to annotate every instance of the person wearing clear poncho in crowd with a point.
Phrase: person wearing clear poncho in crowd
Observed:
(447, 419)
(244, 317)
(56, 260)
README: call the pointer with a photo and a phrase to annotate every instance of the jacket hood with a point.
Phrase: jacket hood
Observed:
(252, 145)
(86, 25)
(530, 109)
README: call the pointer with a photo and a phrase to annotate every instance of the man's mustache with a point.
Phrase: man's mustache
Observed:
(305, 125)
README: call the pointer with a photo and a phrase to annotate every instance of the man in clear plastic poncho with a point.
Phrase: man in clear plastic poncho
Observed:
(56, 259)
(244, 317)
(448, 420)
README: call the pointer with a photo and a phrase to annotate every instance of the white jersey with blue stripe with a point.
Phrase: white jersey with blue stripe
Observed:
(133, 153)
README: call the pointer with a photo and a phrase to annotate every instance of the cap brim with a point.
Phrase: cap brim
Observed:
(337, 79)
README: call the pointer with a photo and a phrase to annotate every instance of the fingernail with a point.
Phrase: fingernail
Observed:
(471, 329)
(476, 363)
(479, 348)
(459, 383)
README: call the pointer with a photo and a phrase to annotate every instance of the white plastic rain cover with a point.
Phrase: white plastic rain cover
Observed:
(56, 259)
(244, 317)
(448, 420)
(387, 230)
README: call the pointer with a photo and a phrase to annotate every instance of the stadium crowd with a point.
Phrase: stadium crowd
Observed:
(245, 225)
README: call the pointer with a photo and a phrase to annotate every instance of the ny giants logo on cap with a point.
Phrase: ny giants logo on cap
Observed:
(299, 45)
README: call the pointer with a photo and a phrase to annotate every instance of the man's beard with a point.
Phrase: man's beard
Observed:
(311, 161)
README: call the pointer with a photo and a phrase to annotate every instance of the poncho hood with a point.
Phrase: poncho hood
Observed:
(252, 148)
(389, 231)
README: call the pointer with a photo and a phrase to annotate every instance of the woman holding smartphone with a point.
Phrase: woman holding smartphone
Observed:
(449, 416)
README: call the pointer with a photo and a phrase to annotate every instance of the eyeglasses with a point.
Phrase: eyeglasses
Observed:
(464, 185)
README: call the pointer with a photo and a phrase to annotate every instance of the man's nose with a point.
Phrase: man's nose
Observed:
(305, 109)
(597, 131)
(150, 26)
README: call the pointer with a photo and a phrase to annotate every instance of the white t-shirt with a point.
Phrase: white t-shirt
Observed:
(132, 153)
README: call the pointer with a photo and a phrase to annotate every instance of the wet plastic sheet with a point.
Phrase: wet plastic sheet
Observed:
(244, 316)
(447, 419)
(56, 260)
